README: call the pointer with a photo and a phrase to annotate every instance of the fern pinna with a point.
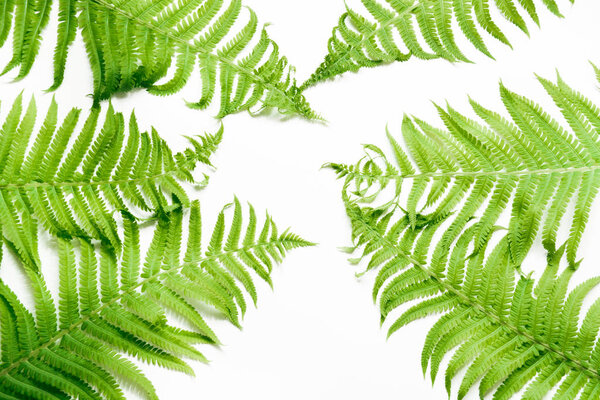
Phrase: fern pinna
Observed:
(133, 44)
(110, 306)
(396, 30)
(427, 225)
(71, 180)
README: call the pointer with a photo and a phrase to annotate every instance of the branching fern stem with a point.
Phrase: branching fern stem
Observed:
(445, 287)
(76, 325)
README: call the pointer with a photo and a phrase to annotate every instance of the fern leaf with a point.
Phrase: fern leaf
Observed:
(110, 307)
(509, 332)
(388, 31)
(133, 44)
(70, 181)
(529, 166)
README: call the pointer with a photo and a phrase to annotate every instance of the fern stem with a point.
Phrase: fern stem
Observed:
(76, 325)
(584, 367)
(27, 185)
(185, 43)
(452, 174)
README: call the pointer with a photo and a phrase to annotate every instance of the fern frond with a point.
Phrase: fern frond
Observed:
(530, 166)
(396, 30)
(509, 334)
(71, 180)
(110, 307)
(133, 44)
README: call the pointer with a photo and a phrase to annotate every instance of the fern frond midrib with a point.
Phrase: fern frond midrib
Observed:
(483, 173)
(583, 367)
(76, 325)
(224, 60)
(364, 40)
(117, 182)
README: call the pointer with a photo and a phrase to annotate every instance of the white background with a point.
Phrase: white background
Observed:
(317, 335)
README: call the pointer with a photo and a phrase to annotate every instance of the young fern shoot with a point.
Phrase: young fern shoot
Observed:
(71, 181)
(396, 30)
(132, 44)
(531, 166)
(111, 306)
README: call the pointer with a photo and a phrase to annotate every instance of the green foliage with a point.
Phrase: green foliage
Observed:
(396, 30)
(427, 222)
(530, 166)
(110, 306)
(133, 44)
(507, 333)
(71, 181)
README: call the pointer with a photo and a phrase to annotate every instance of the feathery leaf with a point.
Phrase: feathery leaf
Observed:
(530, 166)
(396, 30)
(134, 44)
(427, 223)
(111, 306)
(509, 332)
(72, 180)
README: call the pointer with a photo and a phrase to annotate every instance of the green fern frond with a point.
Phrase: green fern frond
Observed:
(133, 44)
(110, 307)
(396, 30)
(509, 334)
(530, 166)
(71, 180)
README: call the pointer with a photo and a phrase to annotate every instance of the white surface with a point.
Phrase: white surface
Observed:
(317, 335)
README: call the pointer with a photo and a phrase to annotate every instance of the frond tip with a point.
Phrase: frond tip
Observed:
(136, 44)
(109, 306)
(71, 180)
(396, 30)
